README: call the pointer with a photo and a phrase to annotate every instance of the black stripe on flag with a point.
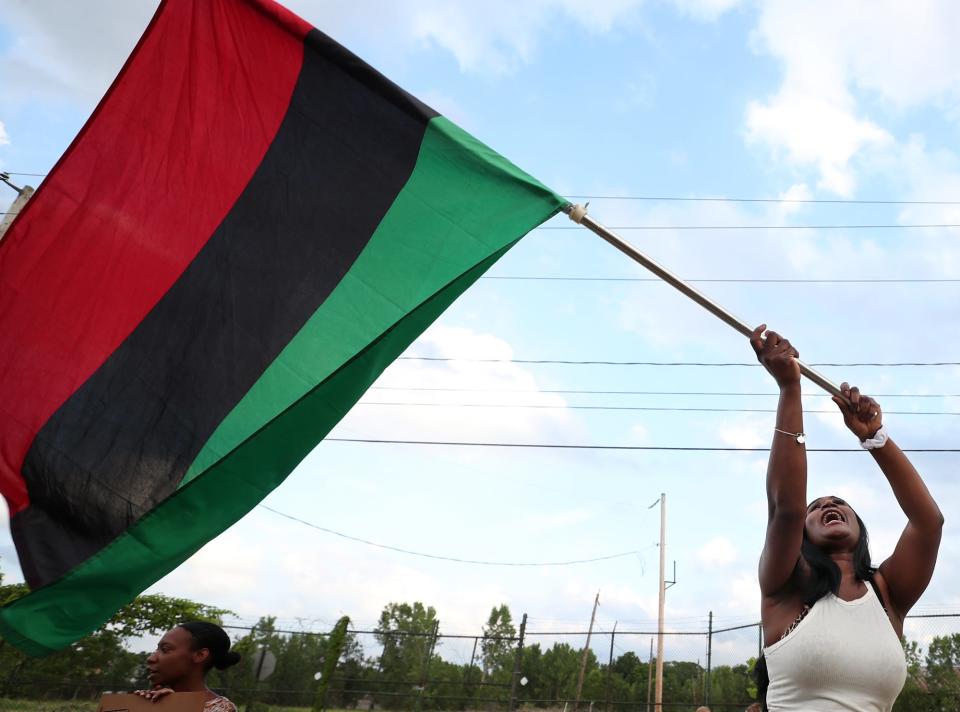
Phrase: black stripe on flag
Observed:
(124, 440)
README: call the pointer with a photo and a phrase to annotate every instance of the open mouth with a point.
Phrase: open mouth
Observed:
(832, 516)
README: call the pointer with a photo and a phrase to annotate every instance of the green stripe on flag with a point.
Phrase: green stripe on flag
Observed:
(463, 207)
(462, 202)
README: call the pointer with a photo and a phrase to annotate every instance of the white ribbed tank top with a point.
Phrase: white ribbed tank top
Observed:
(844, 656)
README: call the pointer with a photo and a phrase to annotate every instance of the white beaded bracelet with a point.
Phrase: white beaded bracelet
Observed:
(878, 440)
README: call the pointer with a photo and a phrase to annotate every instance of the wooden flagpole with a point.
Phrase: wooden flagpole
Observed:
(578, 214)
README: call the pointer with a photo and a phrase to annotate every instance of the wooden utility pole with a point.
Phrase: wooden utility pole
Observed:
(658, 699)
(586, 652)
(23, 195)
(516, 663)
(610, 665)
(706, 681)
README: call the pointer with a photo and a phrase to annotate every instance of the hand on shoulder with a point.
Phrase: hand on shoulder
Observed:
(154, 695)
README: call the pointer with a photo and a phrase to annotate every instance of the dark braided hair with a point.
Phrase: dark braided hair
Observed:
(823, 577)
(213, 638)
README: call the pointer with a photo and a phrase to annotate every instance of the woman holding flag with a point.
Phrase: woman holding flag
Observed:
(832, 622)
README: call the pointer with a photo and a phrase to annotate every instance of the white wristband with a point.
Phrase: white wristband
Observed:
(878, 440)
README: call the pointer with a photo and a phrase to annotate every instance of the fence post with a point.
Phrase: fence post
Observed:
(610, 664)
(516, 664)
(256, 674)
(706, 691)
(425, 666)
(467, 674)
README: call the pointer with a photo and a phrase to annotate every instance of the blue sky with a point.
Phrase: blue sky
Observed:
(683, 99)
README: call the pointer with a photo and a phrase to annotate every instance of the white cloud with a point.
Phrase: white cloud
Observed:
(797, 192)
(903, 52)
(744, 594)
(66, 49)
(745, 434)
(814, 131)
(718, 552)
(53, 52)
(495, 37)
(477, 407)
(639, 434)
(706, 10)
(542, 522)
(4, 138)
(834, 56)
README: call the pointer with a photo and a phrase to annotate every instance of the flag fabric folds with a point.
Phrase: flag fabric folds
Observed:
(252, 225)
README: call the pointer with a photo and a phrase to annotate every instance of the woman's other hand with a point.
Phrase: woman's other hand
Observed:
(863, 416)
(777, 356)
(154, 695)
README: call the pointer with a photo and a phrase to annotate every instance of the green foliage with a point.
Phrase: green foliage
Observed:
(334, 648)
(100, 660)
(408, 673)
(406, 633)
(933, 684)
(47, 706)
(497, 644)
(154, 614)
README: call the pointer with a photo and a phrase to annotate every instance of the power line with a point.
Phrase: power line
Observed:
(707, 199)
(733, 227)
(448, 558)
(724, 280)
(564, 446)
(838, 201)
(759, 227)
(566, 362)
(660, 409)
(637, 393)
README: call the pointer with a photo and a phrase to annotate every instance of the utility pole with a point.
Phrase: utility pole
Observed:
(516, 664)
(706, 686)
(658, 699)
(586, 652)
(23, 195)
(610, 665)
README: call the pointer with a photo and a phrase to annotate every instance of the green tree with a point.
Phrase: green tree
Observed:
(498, 639)
(100, 660)
(406, 633)
(239, 682)
(560, 669)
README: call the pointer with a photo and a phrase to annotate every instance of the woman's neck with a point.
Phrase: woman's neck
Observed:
(844, 562)
(191, 683)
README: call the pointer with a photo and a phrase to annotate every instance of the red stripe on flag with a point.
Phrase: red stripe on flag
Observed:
(131, 202)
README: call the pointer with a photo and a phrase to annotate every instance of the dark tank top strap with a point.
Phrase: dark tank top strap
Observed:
(876, 590)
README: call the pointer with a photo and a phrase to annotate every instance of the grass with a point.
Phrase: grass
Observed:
(8, 705)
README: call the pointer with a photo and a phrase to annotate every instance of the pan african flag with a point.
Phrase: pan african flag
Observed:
(251, 226)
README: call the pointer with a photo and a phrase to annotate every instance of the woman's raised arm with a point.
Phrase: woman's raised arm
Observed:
(787, 469)
(908, 570)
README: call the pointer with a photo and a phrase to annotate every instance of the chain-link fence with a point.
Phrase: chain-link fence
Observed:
(423, 670)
